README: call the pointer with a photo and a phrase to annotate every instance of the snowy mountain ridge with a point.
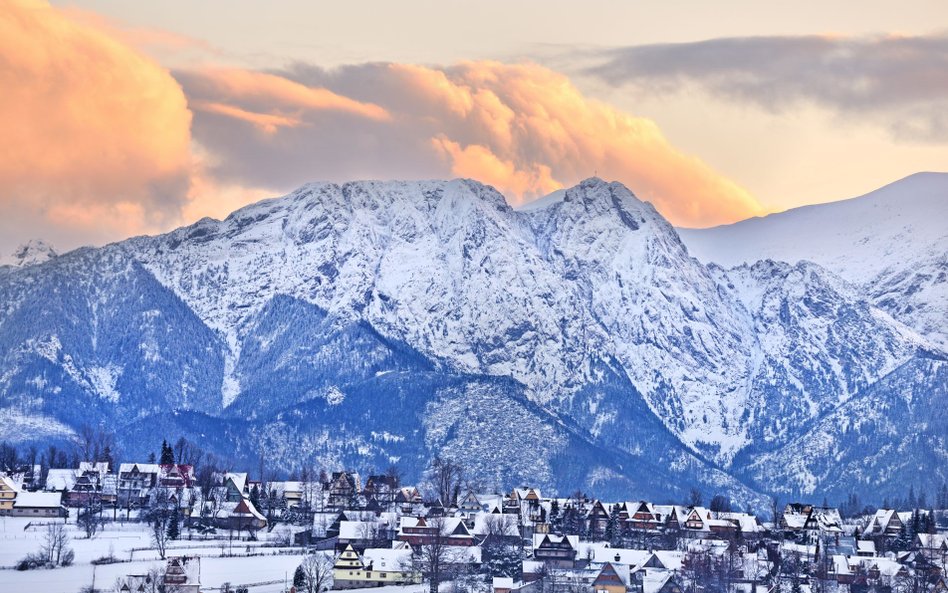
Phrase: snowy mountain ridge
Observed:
(585, 318)
(892, 243)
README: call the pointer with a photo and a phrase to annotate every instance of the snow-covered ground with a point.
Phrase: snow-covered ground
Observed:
(263, 568)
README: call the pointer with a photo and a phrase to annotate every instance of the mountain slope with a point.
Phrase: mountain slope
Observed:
(892, 243)
(889, 437)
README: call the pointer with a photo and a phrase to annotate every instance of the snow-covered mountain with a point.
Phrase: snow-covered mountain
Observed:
(32, 252)
(891, 243)
(573, 343)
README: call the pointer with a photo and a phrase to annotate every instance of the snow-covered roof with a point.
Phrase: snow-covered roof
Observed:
(38, 500)
(238, 478)
(603, 553)
(9, 483)
(387, 558)
(555, 539)
(60, 479)
(98, 467)
(880, 521)
(886, 566)
(748, 523)
(143, 468)
(498, 524)
(359, 529)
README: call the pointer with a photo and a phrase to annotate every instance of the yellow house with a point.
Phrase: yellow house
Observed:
(380, 567)
(7, 495)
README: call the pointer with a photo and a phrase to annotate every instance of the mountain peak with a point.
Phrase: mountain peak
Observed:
(34, 251)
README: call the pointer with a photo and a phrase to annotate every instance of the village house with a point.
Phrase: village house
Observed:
(378, 568)
(88, 484)
(39, 504)
(610, 580)
(290, 492)
(382, 489)
(422, 531)
(798, 517)
(556, 551)
(408, 499)
(175, 476)
(886, 522)
(183, 575)
(135, 482)
(240, 516)
(60, 480)
(343, 489)
(643, 517)
(8, 491)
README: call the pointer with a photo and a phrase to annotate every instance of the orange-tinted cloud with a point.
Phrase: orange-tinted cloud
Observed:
(478, 162)
(539, 123)
(95, 137)
(98, 140)
(523, 128)
(266, 122)
(270, 91)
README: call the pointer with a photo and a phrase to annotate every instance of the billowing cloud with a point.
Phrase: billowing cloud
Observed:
(898, 81)
(96, 139)
(267, 91)
(101, 142)
(523, 128)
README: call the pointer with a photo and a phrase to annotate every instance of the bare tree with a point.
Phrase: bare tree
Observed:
(187, 453)
(446, 478)
(90, 516)
(433, 559)
(546, 578)
(373, 535)
(160, 515)
(150, 582)
(317, 568)
(395, 474)
(92, 443)
(56, 550)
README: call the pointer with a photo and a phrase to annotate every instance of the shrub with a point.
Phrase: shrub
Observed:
(31, 562)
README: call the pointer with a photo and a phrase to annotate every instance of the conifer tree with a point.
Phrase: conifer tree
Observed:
(299, 578)
(174, 529)
(167, 454)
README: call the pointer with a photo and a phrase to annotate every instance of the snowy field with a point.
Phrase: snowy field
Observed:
(263, 568)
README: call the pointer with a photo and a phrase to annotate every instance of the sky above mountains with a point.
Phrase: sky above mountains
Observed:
(124, 118)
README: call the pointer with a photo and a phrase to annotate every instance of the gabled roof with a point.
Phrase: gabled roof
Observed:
(7, 483)
(246, 508)
(60, 479)
(608, 576)
(239, 480)
(549, 540)
(142, 468)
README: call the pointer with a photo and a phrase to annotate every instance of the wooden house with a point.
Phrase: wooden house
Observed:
(384, 567)
(8, 492)
(609, 580)
(38, 504)
(556, 551)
